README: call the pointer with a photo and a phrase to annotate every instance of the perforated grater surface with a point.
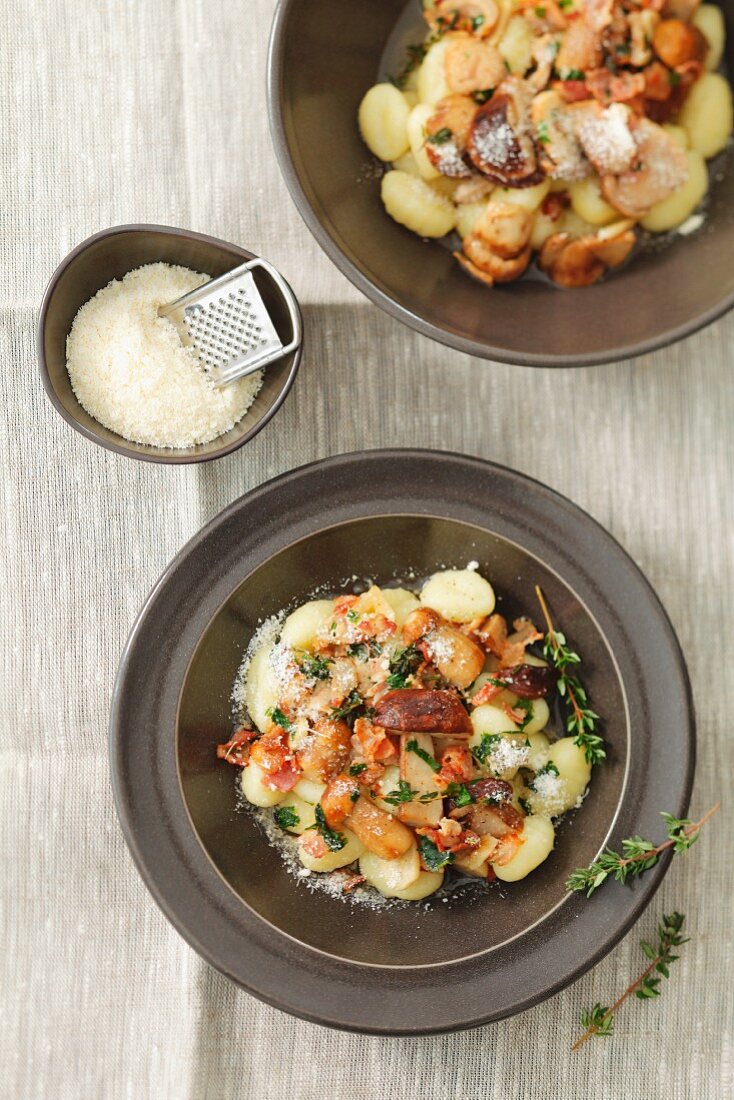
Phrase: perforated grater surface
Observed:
(226, 322)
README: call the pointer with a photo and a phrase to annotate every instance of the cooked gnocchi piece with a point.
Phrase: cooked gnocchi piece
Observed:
(594, 133)
(400, 736)
(383, 121)
(413, 203)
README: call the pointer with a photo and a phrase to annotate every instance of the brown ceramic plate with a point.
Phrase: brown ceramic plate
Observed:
(401, 970)
(324, 55)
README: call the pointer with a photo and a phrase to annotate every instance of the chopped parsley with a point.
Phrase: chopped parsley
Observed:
(314, 667)
(544, 139)
(432, 856)
(440, 137)
(540, 12)
(403, 665)
(355, 794)
(477, 22)
(563, 4)
(482, 96)
(352, 615)
(426, 757)
(286, 817)
(334, 841)
(673, 77)
(575, 74)
(357, 769)
(460, 794)
(525, 805)
(277, 716)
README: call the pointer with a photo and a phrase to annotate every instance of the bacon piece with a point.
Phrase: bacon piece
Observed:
(236, 750)
(486, 694)
(285, 778)
(450, 836)
(338, 799)
(457, 765)
(420, 710)
(554, 204)
(274, 755)
(314, 844)
(372, 742)
(620, 87)
(571, 91)
(351, 881)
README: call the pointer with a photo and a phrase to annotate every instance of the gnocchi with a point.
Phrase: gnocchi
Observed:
(383, 121)
(373, 750)
(412, 203)
(485, 112)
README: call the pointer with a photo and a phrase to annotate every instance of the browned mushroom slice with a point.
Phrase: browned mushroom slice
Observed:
(659, 169)
(472, 65)
(447, 133)
(580, 261)
(416, 710)
(500, 269)
(495, 820)
(605, 136)
(676, 42)
(500, 142)
(473, 270)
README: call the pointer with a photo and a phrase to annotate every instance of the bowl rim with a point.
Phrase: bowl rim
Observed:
(265, 951)
(174, 459)
(274, 76)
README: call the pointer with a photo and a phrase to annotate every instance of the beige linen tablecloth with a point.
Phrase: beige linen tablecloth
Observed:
(116, 111)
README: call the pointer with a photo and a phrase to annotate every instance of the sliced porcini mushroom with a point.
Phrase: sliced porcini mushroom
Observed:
(676, 42)
(500, 141)
(472, 64)
(456, 656)
(530, 681)
(418, 710)
(660, 168)
(419, 775)
(495, 820)
(478, 16)
(505, 228)
(544, 55)
(554, 123)
(581, 261)
(447, 133)
(580, 50)
(605, 136)
(494, 269)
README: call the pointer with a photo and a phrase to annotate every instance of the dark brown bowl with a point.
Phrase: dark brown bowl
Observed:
(110, 255)
(404, 969)
(324, 55)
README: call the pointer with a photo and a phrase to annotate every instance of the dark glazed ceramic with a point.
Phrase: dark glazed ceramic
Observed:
(110, 255)
(324, 55)
(409, 969)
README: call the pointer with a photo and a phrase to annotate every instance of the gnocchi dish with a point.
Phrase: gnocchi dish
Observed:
(397, 736)
(559, 130)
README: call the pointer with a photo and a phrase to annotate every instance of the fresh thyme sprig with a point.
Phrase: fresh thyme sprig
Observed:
(599, 1020)
(581, 720)
(638, 855)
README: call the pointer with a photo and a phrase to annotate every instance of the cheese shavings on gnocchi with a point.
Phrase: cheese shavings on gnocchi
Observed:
(554, 132)
(401, 735)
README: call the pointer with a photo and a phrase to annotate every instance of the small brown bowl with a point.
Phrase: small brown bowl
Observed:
(324, 55)
(110, 255)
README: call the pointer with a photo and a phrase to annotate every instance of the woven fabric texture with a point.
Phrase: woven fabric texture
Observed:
(141, 111)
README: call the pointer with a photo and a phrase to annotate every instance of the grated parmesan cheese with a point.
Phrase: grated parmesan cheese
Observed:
(130, 371)
(508, 755)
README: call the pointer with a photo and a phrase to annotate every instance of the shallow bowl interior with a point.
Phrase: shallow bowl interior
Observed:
(110, 255)
(324, 56)
(384, 549)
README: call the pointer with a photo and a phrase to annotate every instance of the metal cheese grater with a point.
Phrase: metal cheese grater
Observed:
(226, 322)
